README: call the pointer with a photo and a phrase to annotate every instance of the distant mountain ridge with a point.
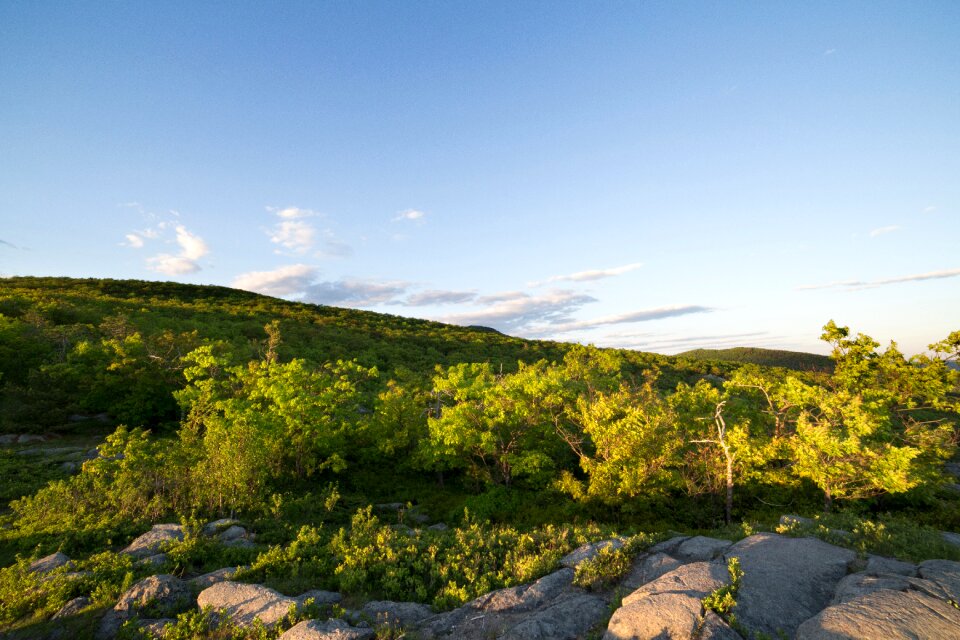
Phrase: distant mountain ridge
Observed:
(797, 360)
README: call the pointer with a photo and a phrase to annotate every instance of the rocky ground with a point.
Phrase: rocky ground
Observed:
(800, 588)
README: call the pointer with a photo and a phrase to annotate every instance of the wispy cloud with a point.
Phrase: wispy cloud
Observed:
(516, 311)
(434, 297)
(592, 274)
(853, 285)
(410, 215)
(882, 230)
(133, 240)
(290, 280)
(829, 52)
(9, 244)
(929, 209)
(644, 315)
(292, 213)
(355, 292)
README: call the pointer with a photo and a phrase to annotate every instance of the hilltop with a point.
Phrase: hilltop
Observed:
(797, 360)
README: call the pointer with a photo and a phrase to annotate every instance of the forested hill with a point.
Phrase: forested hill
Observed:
(90, 346)
(797, 360)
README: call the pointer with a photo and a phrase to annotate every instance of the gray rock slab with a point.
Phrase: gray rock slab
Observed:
(714, 628)
(589, 551)
(857, 585)
(668, 607)
(952, 538)
(48, 563)
(243, 603)
(890, 615)
(156, 627)
(150, 542)
(567, 618)
(792, 520)
(333, 629)
(701, 549)
(786, 580)
(945, 575)
(647, 568)
(524, 597)
(877, 565)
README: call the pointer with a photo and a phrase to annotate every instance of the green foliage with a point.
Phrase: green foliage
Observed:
(724, 599)
(610, 564)
(795, 360)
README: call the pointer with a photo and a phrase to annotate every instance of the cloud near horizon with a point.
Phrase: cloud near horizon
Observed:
(591, 274)
(517, 311)
(855, 285)
(644, 315)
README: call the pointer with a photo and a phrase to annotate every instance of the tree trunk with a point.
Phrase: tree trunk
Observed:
(729, 505)
(827, 501)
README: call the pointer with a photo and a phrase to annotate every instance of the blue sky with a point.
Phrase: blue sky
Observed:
(651, 175)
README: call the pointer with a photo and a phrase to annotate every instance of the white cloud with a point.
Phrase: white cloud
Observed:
(882, 230)
(853, 285)
(411, 215)
(592, 274)
(192, 247)
(172, 265)
(133, 240)
(295, 235)
(829, 52)
(285, 281)
(929, 209)
(290, 213)
(644, 315)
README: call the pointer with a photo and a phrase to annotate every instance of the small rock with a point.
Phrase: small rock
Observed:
(234, 532)
(72, 608)
(668, 546)
(952, 538)
(589, 551)
(157, 627)
(701, 549)
(792, 520)
(213, 528)
(149, 543)
(389, 506)
(30, 437)
(156, 560)
(714, 628)
(440, 526)
(877, 565)
(48, 563)
(160, 595)
(395, 614)
(319, 597)
(243, 603)
(8, 438)
(668, 607)
(332, 629)
(212, 578)
(69, 467)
